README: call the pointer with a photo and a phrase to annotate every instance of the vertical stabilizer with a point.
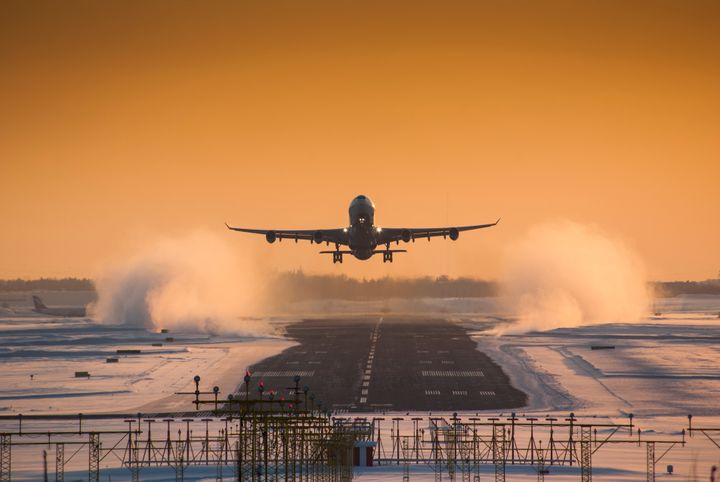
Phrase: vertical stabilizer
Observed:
(39, 305)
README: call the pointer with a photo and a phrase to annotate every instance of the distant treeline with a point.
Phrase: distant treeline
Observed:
(668, 289)
(47, 284)
(297, 285)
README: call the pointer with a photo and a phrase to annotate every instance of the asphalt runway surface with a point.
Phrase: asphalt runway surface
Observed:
(387, 363)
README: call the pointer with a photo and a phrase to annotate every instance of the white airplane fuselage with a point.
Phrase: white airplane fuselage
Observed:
(362, 233)
(361, 237)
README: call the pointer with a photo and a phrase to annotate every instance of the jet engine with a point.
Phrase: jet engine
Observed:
(405, 235)
(454, 234)
(270, 236)
(318, 237)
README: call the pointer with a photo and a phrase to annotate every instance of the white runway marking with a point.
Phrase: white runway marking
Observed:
(452, 373)
(368, 367)
(285, 373)
(487, 393)
(459, 392)
(432, 392)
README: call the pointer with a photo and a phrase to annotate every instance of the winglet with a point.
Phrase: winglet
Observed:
(227, 225)
(498, 220)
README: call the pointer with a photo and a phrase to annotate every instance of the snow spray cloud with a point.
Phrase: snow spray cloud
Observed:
(563, 274)
(194, 283)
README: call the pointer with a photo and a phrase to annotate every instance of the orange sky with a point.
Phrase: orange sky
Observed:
(124, 121)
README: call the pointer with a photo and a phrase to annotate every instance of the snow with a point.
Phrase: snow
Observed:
(40, 356)
(660, 370)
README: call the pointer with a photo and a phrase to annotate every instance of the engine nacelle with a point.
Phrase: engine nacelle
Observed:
(405, 235)
(318, 237)
(270, 236)
(454, 234)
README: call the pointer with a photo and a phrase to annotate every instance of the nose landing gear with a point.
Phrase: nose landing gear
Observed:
(387, 257)
(337, 257)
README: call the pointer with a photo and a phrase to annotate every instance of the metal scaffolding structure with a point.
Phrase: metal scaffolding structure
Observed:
(254, 439)
(455, 445)
(268, 438)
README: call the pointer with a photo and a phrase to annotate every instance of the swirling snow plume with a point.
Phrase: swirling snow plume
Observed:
(193, 283)
(564, 274)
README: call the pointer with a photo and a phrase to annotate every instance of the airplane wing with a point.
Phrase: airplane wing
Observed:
(335, 236)
(391, 235)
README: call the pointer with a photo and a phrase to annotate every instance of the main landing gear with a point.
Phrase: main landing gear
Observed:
(387, 254)
(337, 257)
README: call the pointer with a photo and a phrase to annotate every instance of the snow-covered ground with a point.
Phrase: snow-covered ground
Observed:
(660, 370)
(40, 355)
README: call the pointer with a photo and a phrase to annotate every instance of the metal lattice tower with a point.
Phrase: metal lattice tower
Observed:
(650, 461)
(94, 458)
(585, 453)
(540, 465)
(60, 462)
(220, 462)
(498, 452)
(438, 456)
(5, 458)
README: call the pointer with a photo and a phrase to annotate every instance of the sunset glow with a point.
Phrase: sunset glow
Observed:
(123, 122)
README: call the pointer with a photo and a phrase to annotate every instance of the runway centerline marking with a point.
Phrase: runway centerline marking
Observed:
(368, 367)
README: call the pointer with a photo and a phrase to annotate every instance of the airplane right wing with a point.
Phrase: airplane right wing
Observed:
(318, 236)
(391, 235)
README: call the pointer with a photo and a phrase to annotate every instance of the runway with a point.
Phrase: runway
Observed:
(388, 363)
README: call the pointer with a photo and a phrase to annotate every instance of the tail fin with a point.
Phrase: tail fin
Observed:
(39, 305)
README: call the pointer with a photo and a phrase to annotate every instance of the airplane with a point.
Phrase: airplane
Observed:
(362, 237)
(66, 312)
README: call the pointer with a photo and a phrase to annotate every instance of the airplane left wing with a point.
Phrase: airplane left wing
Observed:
(391, 235)
(335, 236)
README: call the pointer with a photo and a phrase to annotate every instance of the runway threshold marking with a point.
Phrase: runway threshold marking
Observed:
(285, 373)
(452, 373)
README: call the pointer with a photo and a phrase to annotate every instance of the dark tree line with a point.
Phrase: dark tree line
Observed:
(667, 289)
(300, 286)
(47, 284)
(297, 285)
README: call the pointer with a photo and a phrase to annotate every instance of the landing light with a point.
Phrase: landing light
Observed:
(344, 230)
(379, 230)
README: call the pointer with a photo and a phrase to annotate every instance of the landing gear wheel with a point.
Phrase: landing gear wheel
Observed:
(337, 257)
(387, 257)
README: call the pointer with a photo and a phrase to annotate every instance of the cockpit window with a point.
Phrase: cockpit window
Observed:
(361, 197)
